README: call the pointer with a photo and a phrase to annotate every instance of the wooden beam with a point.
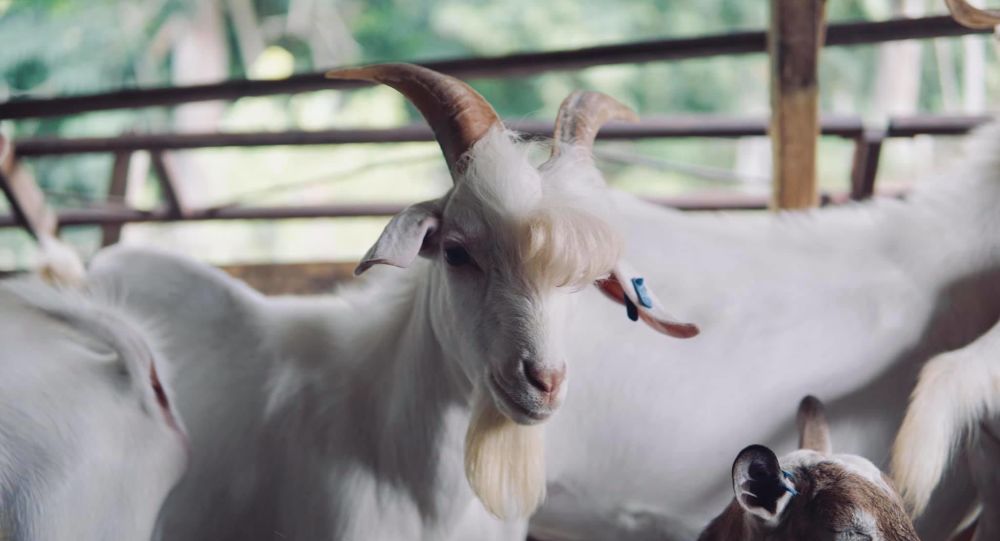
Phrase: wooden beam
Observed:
(794, 41)
(27, 202)
(293, 278)
(176, 207)
(117, 188)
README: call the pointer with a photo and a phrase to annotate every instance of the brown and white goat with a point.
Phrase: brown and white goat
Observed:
(810, 494)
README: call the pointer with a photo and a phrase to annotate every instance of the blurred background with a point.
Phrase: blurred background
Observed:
(66, 47)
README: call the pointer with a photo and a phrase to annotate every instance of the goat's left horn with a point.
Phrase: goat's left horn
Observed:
(973, 17)
(581, 116)
(457, 114)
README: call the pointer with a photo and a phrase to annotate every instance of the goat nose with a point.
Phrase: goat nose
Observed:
(544, 379)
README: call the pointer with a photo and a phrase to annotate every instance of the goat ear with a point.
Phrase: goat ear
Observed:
(404, 238)
(814, 430)
(624, 285)
(762, 488)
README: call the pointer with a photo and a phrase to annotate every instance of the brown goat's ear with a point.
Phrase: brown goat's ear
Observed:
(814, 430)
(761, 487)
(626, 287)
(406, 236)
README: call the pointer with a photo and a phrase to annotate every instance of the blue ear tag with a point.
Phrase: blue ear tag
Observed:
(631, 309)
(790, 489)
(639, 285)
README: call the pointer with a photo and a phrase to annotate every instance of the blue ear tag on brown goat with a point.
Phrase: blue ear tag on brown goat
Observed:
(631, 309)
(790, 489)
(639, 285)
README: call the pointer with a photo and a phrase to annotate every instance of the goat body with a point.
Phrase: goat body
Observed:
(310, 418)
(846, 303)
(89, 446)
(958, 394)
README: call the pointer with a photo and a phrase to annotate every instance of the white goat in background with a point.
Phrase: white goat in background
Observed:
(847, 302)
(810, 494)
(958, 394)
(89, 445)
(350, 417)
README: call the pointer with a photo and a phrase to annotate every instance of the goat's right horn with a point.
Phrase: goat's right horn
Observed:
(457, 114)
(973, 17)
(581, 116)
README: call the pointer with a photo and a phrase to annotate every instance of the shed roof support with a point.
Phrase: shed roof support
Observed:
(794, 41)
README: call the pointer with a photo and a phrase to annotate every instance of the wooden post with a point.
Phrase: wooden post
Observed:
(794, 40)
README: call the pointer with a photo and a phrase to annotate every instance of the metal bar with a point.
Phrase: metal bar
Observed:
(864, 169)
(520, 64)
(176, 207)
(679, 126)
(935, 125)
(654, 127)
(117, 188)
(104, 216)
(794, 42)
(665, 127)
(27, 202)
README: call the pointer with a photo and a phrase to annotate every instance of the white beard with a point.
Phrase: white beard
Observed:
(504, 461)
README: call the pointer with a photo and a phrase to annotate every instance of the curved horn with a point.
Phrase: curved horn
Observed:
(581, 116)
(973, 17)
(457, 114)
(814, 430)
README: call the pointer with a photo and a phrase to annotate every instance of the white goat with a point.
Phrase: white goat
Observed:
(89, 446)
(348, 417)
(958, 393)
(810, 494)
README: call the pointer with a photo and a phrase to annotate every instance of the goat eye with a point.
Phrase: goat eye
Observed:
(456, 256)
(852, 535)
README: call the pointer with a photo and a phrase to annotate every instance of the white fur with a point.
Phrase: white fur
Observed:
(85, 450)
(955, 392)
(58, 264)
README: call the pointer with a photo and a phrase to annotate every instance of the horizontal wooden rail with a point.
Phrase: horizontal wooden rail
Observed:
(654, 127)
(520, 64)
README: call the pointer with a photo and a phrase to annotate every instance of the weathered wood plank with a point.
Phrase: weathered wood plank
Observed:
(794, 40)
(293, 278)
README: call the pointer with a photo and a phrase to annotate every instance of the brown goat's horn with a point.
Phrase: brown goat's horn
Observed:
(581, 116)
(971, 16)
(457, 114)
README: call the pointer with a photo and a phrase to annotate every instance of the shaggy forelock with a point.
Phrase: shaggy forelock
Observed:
(566, 246)
(557, 215)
